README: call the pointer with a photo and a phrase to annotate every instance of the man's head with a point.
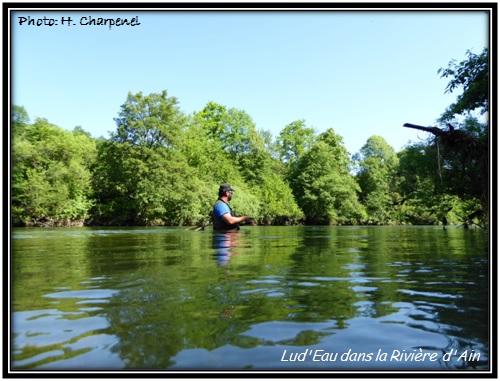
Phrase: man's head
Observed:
(226, 190)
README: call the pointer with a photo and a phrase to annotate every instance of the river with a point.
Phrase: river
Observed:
(265, 298)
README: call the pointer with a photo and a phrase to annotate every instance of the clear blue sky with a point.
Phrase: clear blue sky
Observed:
(360, 73)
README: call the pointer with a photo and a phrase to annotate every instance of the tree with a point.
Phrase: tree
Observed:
(51, 175)
(214, 118)
(472, 75)
(152, 121)
(378, 163)
(142, 178)
(243, 136)
(205, 144)
(20, 119)
(424, 199)
(278, 203)
(294, 140)
(225, 146)
(323, 186)
(233, 129)
(462, 148)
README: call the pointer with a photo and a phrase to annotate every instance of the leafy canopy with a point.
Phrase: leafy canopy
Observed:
(472, 75)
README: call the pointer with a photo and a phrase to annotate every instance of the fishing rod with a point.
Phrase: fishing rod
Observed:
(203, 226)
(199, 227)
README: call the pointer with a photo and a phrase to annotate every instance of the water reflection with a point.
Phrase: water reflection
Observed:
(229, 244)
(166, 298)
(223, 242)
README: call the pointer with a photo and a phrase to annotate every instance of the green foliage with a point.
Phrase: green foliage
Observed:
(138, 185)
(51, 175)
(417, 179)
(464, 164)
(224, 144)
(161, 167)
(323, 186)
(20, 120)
(455, 164)
(141, 177)
(378, 163)
(278, 203)
(294, 140)
(426, 196)
(472, 75)
(245, 201)
(465, 155)
(152, 121)
(232, 129)
(243, 135)
(202, 152)
(170, 181)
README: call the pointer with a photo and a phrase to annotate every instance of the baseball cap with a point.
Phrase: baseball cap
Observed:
(225, 188)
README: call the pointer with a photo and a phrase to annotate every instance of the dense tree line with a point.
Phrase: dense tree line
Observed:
(163, 167)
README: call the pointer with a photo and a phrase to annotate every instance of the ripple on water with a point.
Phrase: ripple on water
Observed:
(50, 327)
(439, 295)
(83, 294)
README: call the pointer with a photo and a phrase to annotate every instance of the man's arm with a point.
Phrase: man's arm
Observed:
(231, 220)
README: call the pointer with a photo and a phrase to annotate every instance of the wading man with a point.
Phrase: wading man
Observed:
(223, 216)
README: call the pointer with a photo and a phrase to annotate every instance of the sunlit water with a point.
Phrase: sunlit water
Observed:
(266, 298)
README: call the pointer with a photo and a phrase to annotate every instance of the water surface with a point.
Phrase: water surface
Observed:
(266, 298)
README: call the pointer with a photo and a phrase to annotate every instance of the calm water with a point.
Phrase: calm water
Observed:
(266, 298)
